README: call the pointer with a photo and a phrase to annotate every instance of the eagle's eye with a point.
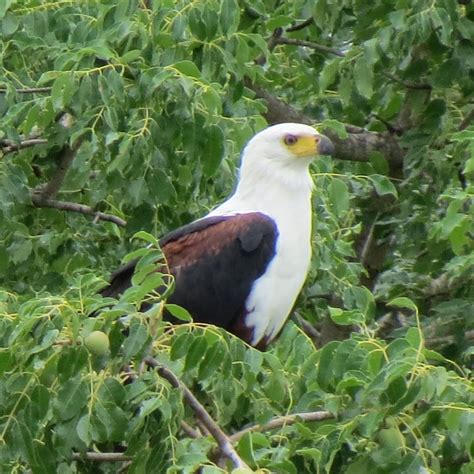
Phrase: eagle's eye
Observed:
(290, 139)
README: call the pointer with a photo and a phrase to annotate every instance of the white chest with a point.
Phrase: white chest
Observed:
(274, 293)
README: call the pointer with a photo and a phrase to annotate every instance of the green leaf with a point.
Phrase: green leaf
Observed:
(180, 345)
(403, 302)
(229, 16)
(338, 127)
(364, 77)
(136, 341)
(146, 237)
(279, 22)
(62, 91)
(325, 370)
(469, 166)
(442, 25)
(131, 56)
(20, 251)
(339, 196)
(10, 24)
(84, 429)
(71, 397)
(211, 361)
(213, 149)
(5, 5)
(383, 185)
(212, 100)
(187, 68)
(344, 318)
(413, 336)
(196, 352)
(179, 312)
(328, 74)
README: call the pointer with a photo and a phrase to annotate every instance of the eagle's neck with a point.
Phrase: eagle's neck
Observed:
(285, 196)
(283, 193)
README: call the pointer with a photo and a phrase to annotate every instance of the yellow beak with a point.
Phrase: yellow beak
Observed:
(312, 145)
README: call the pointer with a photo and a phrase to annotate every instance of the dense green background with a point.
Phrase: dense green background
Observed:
(156, 99)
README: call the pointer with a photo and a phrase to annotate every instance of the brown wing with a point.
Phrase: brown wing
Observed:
(215, 262)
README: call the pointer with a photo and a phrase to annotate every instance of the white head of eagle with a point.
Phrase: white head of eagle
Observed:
(242, 266)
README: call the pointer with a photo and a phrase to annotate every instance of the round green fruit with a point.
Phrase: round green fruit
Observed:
(391, 438)
(97, 342)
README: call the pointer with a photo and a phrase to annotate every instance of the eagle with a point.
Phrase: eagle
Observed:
(242, 266)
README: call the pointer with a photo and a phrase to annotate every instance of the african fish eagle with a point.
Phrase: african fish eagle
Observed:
(242, 266)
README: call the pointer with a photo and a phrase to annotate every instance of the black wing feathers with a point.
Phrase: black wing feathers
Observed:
(224, 261)
(120, 280)
(215, 262)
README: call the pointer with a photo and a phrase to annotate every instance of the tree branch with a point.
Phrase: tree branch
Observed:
(40, 201)
(272, 42)
(8, 146)
(223, 441)
(300, 26)
(355, 147)
(101, 457)
(366, 244)
(280, 421)
(309, 44)
(308, 329)
(327, 49)
(189, 430)
(30, 90)
(408, 84)
(466, 121)
(54, 185)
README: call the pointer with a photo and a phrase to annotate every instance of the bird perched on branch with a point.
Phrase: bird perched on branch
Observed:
(242, 266)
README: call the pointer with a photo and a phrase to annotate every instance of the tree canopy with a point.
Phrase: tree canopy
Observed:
(121, 120)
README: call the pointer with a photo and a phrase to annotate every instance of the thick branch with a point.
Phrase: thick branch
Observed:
(54, 185)
(40, 201)
(356, 147)
(8, 146)
(101, 457)
(280, 421)
(223, 441)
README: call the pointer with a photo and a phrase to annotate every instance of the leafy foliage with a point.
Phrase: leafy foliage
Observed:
(157, 98)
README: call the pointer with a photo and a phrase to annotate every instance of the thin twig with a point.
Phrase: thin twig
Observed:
(408, 84)
(189, 430)
(30, 90)
(364, 251)
(300, 26)
(307, 328)
(389, 126)
(75, 207)
(101, 457)
(280, 421)
(8, 146)
(310, 44)
(272, 42)
(221, 438)
(354, 129)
